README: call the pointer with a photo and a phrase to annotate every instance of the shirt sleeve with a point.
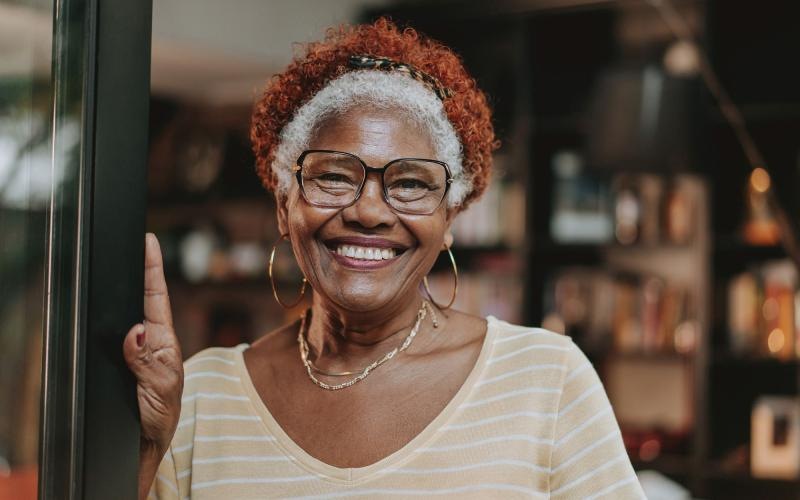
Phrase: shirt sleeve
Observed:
(165, 485)
(588, 458)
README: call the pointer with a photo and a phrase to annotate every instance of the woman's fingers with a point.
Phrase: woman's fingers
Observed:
(156, 298)
(137, 352)
(159, 375)
(151, 353)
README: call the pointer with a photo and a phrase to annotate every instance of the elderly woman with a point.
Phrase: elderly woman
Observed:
(372, 143)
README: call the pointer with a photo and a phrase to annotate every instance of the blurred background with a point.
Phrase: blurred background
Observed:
(625, 210)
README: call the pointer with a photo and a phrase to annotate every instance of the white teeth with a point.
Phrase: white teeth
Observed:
(365, 253)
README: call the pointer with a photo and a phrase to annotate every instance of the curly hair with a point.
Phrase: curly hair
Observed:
(467, 110)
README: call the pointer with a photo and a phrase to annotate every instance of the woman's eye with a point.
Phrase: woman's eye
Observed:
(410, 184)
(333, 178)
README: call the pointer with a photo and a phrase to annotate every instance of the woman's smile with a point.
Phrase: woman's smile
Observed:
(365, 253)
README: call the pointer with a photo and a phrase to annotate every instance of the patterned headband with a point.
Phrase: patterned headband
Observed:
(383, 63)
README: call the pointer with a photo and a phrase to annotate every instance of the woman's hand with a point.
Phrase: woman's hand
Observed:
(153, 354)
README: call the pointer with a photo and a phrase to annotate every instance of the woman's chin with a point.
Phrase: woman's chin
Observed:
(366, 300)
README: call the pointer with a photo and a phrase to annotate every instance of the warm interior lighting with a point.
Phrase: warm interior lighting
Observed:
(770, 309)
(649, 450)
(776, 340)
(682, 59)
(555, 323)
(685, 337)
(759, 180)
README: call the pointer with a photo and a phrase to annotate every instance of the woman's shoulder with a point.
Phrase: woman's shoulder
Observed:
(213, 374)
(212, 366)
(508, 332)
(214, 358)
(526, 344)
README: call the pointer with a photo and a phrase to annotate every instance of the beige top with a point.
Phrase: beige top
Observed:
(531, 420)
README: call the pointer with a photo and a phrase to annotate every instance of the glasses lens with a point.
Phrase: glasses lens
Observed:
(415, 186)
(331, 179)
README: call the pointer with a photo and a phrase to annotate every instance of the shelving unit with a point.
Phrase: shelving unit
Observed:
(549, 59)
(541, 66)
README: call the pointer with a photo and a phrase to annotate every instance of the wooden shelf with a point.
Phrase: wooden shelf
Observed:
(552, 248)
(729, 358)
(732, 247)
(669, 464)
(656, 356)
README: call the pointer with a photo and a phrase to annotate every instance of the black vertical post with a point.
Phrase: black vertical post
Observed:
(116, 246)
(101, 83)
(60, 450)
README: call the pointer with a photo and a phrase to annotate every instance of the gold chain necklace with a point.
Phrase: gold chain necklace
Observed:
(310, 368)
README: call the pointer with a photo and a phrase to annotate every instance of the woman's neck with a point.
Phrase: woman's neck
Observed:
(341, 338)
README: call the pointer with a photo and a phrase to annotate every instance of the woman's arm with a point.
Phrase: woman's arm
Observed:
(153, 354)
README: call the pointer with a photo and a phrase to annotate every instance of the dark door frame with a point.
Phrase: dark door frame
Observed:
(89, 440)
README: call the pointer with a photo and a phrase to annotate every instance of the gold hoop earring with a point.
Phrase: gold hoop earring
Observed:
(272, 280)
(455, 288)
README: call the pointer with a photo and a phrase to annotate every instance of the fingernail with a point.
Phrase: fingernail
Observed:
(140, 336)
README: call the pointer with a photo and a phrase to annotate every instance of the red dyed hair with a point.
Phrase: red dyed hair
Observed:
(467, 110)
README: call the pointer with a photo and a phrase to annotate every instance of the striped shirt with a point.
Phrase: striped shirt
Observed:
(531, 421)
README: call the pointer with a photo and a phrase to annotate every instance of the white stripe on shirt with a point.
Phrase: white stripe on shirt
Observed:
(480, 442)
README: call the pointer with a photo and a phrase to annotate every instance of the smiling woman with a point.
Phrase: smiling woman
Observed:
(373, 143)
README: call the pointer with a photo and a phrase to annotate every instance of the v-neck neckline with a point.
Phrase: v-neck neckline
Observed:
(350, 475)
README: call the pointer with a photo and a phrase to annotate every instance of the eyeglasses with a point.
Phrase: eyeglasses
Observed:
(334, 179)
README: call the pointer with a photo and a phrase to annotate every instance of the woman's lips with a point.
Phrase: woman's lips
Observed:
(355, 263)
(364, 253)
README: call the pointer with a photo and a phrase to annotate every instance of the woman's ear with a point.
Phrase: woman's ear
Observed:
(448, 239)
(281, 201)
(448, 234)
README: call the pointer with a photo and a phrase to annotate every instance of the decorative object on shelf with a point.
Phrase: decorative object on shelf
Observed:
(650, 188)
(199, 155)
(247, 259)
(679, 213)
(197, 250)
(647, 210)
(743, 315)
(760, 226)
(580, 203)
(780, 284)
(775, 438)
(764, 311)
(627, 212)
(626, 313)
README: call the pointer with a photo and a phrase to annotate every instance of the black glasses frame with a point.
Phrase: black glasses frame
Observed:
(298, 170)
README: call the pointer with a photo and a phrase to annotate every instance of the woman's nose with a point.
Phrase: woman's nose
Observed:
(370, 209)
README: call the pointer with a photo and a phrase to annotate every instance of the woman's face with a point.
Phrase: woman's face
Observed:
(318, 235)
